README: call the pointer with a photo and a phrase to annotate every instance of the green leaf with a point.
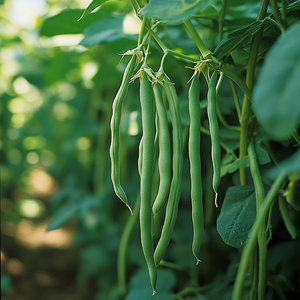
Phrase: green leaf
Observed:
(225, 164)
(63, 23)
(289, 166)
(62, 216)
(262, 155)
(293, 6)
(93, 5)
(237, 215)
(236, 39)
(276, 93)
(66, 21)
(173, 11)
(105, 31)
(242, 162)
(141, 288)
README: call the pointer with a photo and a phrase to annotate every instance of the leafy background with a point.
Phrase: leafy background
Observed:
(61, 221)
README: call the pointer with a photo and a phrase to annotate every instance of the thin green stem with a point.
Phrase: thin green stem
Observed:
(220, 115)
(121, 268)
(221, 20)
(250, 83)
(237, 80)
(262, 243)
(135, 6)
(276, 287)
(283, 13)
(277, 15)
(183, 56)
(235, 98)
(141, 35)
(158, 40)
(273, 22)
(260, 219)
(196, 38)
(171, 265)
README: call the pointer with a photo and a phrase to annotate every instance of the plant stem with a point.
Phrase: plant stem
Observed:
(236, 99)
(260, 219)
(262, 245)
(250, 83)
(197, 39)
(141, 35)
(123, 246)
(221, 20)
(277, 15)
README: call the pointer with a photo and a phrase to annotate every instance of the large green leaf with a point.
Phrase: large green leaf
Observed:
(66, 21)
(105, 31)
(276, 95)
(93, 5)
(236, 39)
(173, 11)
(237, 215)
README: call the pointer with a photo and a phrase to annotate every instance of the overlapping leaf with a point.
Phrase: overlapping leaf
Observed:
(173, 11)
(236, 39)
(105, 31)
(66, 21)
(93, 5)
(276, 99)
(237, 215)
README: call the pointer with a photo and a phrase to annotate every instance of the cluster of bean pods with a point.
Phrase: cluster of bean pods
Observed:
(153, 88)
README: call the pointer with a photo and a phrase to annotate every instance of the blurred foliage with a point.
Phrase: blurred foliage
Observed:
(57, 81)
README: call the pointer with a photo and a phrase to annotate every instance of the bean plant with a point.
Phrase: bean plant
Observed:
(216, 91)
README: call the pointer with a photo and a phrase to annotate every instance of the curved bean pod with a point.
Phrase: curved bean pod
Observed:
(290, 227)
(164, 160)
(114, 150)
(146, 216)
(175, 190)
(214, 132)
(195, 166)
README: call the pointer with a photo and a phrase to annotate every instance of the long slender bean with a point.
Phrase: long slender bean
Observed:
(195, 166)
(146, 216)
(115, 131)
(175, 190)
(214, 132)
(164, 160)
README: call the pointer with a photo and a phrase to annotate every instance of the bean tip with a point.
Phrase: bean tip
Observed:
(216, 200)
(198, 261)
(154, 292)
(130, 209)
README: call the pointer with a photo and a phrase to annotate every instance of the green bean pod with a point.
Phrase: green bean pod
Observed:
(175, 190)
(146, 216)
(290, 227)
(114, 150)
(195, 166)
(164, 159)
(214, 132)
